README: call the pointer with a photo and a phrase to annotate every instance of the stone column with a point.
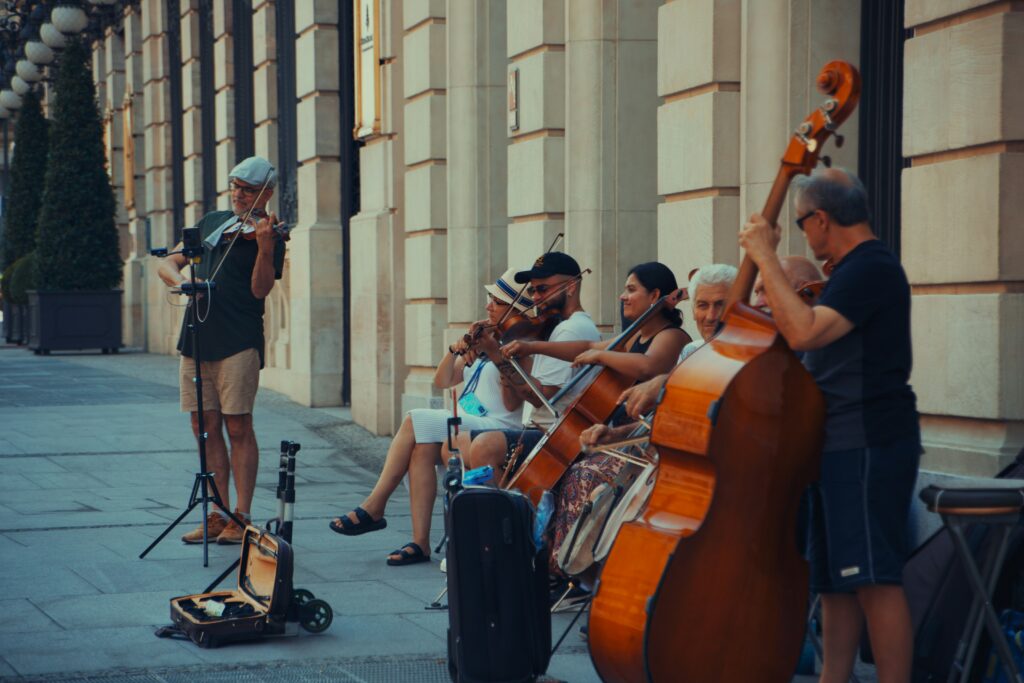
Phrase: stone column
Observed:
(477, 156)
(699, 135)
(224, 100)
(109, 65)
(963, 133)
(610, 144)
(135, 267)
(264, 49)
(426, 225)
(535, 40)
(192, 112)
(303, 324)
(786, 44)
(163, 320)
(377, 245)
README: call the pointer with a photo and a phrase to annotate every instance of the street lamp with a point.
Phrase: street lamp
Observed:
(69, 17)
(28, 71)
(38, 52)
(52, 37)
(10, 99)
(20, 85)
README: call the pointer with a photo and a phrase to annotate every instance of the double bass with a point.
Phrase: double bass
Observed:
(707, 584)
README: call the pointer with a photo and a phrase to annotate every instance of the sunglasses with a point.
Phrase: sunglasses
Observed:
(800, 221)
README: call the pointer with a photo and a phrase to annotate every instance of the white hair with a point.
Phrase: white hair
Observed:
(714, 274)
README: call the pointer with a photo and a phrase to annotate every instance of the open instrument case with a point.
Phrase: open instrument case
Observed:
(261, 604)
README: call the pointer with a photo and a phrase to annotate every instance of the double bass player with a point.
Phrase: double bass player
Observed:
(856, 344)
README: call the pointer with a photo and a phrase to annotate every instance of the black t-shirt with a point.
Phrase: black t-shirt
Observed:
(232, 318)
(864, 374)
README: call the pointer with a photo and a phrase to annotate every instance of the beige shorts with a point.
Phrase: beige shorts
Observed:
(229, 385)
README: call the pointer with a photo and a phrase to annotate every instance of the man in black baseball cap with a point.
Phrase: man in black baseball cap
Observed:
(551, 263)
(554, 284)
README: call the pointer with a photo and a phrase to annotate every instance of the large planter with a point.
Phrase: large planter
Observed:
(66, 321)
(14, 323)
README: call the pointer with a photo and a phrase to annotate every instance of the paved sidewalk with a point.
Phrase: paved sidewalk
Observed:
(96, 460)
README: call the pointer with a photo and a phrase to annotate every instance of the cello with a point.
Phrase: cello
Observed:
(598, 390)
(738, 430)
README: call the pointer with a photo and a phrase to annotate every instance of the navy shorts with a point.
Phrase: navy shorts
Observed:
(859, 522)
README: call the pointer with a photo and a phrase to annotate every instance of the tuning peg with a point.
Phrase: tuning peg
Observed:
(827, 160)
(839, 140)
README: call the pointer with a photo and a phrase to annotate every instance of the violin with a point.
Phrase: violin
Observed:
(246, 227)
(738, 430)
(811, 291)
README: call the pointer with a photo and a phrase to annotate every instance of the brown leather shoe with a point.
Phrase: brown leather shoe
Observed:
(214, 526)
(232, 533)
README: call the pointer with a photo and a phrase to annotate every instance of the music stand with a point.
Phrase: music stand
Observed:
(204, 488)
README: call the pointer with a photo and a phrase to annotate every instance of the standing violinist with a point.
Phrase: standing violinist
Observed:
(857, 346)
(554, 283)
(485, 403)
(230, 327)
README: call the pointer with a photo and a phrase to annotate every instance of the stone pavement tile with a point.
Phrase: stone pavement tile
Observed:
(16, 482)
(109, 611)
(64, 480)
(21, 615)
(43, 580)
(5, 668)
(29, 465)
(364, 635)
(572, 666)
(422, 589)
(364, 597)
(173, 577)
(83, 519)
(8, 447)
(95, 649)
(353, 566)
(107, 465)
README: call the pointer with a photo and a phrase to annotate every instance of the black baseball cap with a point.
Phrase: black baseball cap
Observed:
(551, 263)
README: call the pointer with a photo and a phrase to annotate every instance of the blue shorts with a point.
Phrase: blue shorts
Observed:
(859, 528)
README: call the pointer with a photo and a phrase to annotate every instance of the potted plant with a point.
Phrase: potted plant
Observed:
(17, 281)
(78, 263)
(27, 171)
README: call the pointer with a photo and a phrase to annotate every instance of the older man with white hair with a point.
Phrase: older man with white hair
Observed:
(230, 324)
(708, 291)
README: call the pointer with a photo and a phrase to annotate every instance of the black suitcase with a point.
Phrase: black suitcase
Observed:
(260, 605)
(499, 624)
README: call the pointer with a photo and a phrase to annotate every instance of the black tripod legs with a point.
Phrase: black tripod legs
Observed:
(204, 492)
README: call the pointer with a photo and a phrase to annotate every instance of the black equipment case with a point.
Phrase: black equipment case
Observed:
(260, 605)
(499, 621)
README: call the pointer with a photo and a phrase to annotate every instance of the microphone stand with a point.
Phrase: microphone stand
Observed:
(204, 488)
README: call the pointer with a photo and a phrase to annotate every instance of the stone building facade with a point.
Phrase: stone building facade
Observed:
(639, 129)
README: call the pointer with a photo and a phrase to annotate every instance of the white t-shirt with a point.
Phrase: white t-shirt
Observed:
(553, 372)
(690, 348)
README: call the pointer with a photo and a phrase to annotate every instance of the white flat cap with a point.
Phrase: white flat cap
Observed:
(254, 171)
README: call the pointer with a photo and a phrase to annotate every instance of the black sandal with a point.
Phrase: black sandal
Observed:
(415, 555)
(344, 525)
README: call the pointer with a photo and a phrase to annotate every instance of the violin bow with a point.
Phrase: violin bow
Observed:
(522, 290)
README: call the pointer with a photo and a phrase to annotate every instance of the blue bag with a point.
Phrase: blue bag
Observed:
(468, 401)
(1012, 622)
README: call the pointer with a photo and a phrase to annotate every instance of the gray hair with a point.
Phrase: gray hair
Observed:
(837, 192)
(714, 274)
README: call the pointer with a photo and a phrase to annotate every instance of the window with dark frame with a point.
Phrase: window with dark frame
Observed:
(287, 132)
(880, 159)
(245, 126)
(208, 96)
(177, 132)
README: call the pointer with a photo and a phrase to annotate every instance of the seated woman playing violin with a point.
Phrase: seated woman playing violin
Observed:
(484, 404)
(652, 350)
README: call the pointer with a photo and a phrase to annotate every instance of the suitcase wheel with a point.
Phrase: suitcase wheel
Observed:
(300, 596)
(315, 615)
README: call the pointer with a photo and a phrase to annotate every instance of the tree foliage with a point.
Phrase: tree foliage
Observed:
(77, 242)
(28, 169)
